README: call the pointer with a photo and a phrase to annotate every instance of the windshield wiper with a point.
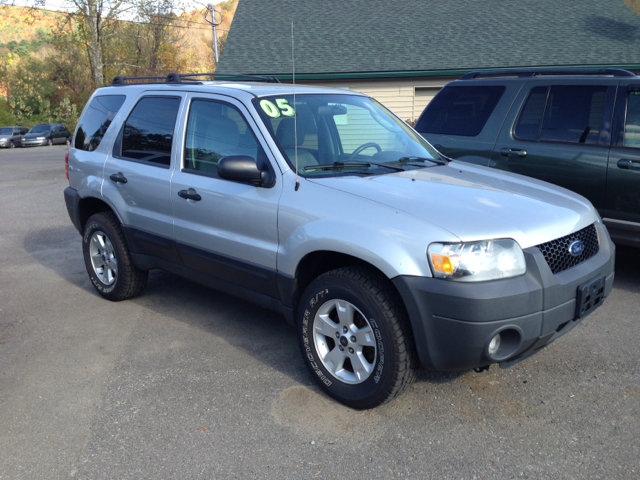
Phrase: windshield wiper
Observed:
(438, 161)
(333, 165)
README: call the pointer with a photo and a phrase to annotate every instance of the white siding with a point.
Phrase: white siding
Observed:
(422, 98)
(405, 97)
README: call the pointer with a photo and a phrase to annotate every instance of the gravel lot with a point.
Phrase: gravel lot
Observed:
(184, 382)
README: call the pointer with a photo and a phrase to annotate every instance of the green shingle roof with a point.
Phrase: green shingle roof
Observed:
(352, 38)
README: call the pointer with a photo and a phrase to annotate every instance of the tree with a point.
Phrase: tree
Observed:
(633, 5)
(97, 19)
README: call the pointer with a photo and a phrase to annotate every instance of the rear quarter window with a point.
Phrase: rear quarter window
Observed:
(96, 120)
(460, 110)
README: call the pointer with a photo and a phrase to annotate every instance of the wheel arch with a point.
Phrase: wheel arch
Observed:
(89, 206)
(316, 263)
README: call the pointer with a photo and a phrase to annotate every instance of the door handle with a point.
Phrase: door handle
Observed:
(190, 194)
(118, 178)
(626, 164)
(513, 152)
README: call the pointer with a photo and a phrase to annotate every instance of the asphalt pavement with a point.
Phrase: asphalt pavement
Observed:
(184, 382)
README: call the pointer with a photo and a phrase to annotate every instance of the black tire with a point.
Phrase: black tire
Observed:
(378, 308)
(68, 141)
(129, 281)
(49, 142)
(12, 145)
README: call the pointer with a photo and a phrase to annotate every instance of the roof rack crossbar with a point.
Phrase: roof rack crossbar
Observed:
(187, 78)
(612, 72)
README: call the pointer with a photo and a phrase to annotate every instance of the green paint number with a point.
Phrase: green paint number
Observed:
(274, 112)
(269, 108)
(287, 110)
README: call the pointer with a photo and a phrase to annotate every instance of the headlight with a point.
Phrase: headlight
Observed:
(476, 261)
(41, 138)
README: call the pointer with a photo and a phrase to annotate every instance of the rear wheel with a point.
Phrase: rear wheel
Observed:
(108, 260)
(354, 336)
(68, 141)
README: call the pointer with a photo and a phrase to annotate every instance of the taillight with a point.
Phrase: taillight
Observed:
(66, 165)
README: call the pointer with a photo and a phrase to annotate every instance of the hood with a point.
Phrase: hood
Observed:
(476, 203)
(6, 136)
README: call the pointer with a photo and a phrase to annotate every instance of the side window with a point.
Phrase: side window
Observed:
(96, 121)
(528, 126)
(148, 132)
(462, 110)
(574, 114)
(568, 113)
(216, 130)
(632, 123)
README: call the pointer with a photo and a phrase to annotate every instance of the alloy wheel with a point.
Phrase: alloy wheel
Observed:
(345, 341)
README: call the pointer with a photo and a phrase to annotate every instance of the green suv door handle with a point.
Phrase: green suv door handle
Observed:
(513, 152)
(628, 164)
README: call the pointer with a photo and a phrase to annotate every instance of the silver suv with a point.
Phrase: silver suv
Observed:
(324, 206)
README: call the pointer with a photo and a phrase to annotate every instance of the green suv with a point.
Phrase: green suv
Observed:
(577, 128)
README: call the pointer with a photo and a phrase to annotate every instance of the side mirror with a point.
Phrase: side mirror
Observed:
(244, 169)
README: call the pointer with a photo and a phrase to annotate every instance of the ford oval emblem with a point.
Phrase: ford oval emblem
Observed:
(576, 248)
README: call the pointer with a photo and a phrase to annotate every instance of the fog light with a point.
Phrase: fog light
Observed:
(494, 345)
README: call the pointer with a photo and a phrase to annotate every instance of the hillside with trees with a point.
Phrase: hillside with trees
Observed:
(50, 62)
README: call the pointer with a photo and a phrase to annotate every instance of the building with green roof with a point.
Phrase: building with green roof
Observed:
(402, 52)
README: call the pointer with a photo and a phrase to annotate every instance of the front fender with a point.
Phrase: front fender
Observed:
(317, 218)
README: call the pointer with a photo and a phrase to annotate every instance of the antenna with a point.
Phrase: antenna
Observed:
(295, 112)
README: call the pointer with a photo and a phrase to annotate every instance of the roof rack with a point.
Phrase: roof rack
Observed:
(611, 72)
(188, 78)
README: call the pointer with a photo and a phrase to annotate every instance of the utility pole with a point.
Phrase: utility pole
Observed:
(215, 36)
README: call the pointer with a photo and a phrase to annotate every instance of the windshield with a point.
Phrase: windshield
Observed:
(341, 129)
(40, 129)
(6, 131)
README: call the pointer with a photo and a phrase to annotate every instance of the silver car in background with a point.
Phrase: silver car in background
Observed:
(11, 137)
(322, 205)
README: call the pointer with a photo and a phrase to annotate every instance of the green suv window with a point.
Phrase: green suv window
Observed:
(562, 113)
(632, 125)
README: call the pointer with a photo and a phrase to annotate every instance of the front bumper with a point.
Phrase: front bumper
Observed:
(34, 143)
(453, 322)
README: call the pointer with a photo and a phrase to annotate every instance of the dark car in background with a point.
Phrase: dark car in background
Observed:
(47, 134)
(11, 137)
(577, 128)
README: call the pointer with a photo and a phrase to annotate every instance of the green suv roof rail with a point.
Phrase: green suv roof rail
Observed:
(175, 78)
(609, 72)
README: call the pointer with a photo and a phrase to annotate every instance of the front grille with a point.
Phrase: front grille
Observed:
(556, 252)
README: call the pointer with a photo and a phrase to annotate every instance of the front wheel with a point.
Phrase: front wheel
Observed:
(355, 339)
(49, 142)
(68, 141)
(12, 145)
(108, 260)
